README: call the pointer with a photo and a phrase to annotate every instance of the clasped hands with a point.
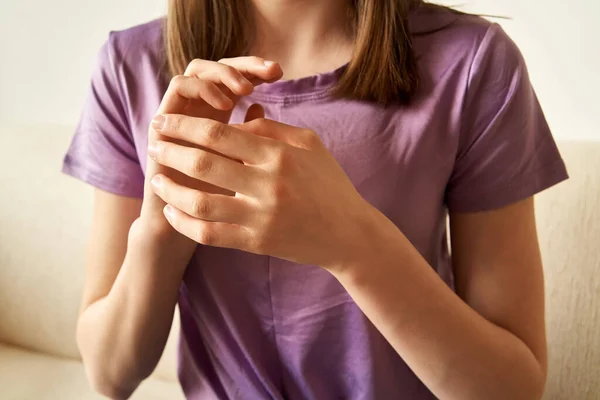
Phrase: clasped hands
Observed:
(282, 193)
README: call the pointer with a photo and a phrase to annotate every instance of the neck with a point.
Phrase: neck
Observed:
(304, 36)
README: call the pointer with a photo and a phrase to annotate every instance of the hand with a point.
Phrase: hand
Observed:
(209, 90)
(292, 199)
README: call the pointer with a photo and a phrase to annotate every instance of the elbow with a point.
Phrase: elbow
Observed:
(115, 382)
(537, 372)
(535, 392)
(540, 383)
(531, 386)
(109, 374)
(107, 387)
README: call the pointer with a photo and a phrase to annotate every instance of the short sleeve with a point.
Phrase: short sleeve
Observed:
(506, 151)
(102, 151)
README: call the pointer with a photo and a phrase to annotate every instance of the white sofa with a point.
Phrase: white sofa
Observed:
(44, 219)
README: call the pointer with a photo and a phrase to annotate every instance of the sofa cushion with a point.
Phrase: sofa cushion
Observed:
(44, 224)
(29, 375)
(45, 219)
(568, 218)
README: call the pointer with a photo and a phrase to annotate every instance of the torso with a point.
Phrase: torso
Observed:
(257, 327)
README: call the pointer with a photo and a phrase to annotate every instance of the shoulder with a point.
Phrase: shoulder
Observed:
(462, 53)
(135, 47)
(456, 38)
(130, 71)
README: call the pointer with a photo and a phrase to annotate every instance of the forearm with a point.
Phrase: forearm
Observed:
(121, 336)
(455, 351)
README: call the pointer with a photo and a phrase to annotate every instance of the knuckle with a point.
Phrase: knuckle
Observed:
(163, 191)
(283, 160)
(268, 220)
(162, 151)
(256, 60)
(255, 125)
(204, 88)
(193, 65)
(229, 70)
(266, 241)
(215, 131)
(261, 123)
(176, 81)
(279, 192)
(201, 206)
(260, 244)
(201, 165)
(176, 122)
(205, 235)
(311, 139)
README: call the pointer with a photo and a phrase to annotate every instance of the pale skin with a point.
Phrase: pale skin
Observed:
(244, 186)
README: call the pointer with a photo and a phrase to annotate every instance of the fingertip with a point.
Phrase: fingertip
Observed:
(275, 72)
(272, 65)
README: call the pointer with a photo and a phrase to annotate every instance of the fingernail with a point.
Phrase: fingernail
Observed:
(268, 63)
(168, 211)
(156, 181)
(158, 122)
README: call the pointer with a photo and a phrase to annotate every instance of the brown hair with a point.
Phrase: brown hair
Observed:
(383, 67)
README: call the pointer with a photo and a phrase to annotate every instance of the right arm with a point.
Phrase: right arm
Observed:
(130, 292)
(136, 260)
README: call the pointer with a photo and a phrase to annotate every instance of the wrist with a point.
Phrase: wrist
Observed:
(363, 244)
(151, 229)
(154, 237)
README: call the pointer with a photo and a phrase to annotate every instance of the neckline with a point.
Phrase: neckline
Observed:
(300, 89)
(422, 21)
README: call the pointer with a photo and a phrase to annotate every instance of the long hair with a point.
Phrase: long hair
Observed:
(382, 69)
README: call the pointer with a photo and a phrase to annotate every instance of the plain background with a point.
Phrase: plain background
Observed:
(47, 49)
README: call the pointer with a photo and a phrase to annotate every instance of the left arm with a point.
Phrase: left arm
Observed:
(485, 342)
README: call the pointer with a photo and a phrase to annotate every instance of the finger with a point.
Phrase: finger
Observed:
(255, 68)
(255, 111)
(199, 204)
(207, 167)
(221, 74)
(222, 138)
(192, 88)
(292, 135)
(217, 234)
(183, 88)
(238, 74)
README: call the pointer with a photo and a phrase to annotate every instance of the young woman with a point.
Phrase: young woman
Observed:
(291, 196)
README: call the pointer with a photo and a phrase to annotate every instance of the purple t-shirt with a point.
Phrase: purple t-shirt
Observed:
(258, 327)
